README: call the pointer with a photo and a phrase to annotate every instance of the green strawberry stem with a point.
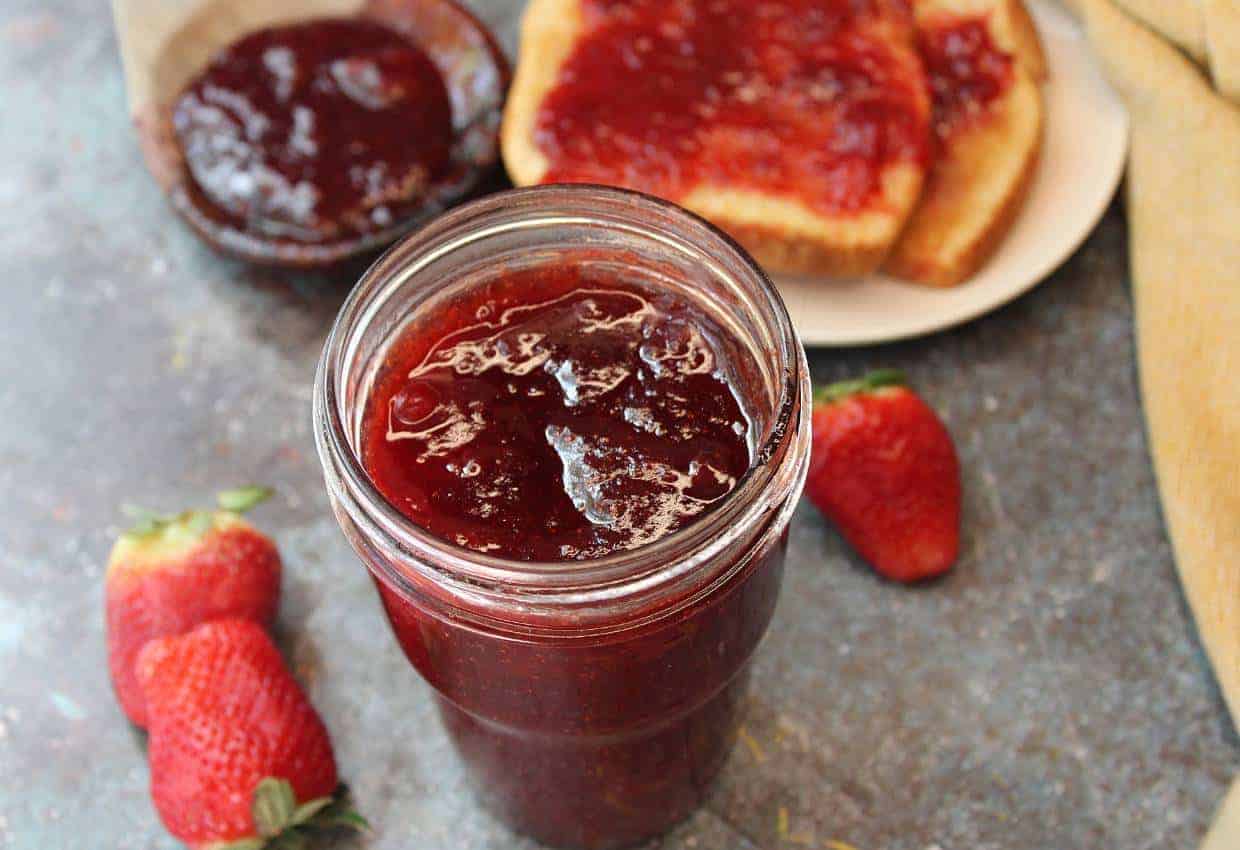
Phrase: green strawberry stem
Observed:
(148, 523)
(145, 520)
(875, 380)
(242, 499)
(282, 824)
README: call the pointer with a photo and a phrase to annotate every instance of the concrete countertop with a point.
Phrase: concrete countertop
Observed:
(1049, 694)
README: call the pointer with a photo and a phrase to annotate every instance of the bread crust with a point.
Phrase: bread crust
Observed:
(1011, 26)
(549, 28)
(981, 177)
(919, 255)
(1026, 42)
(782, 233)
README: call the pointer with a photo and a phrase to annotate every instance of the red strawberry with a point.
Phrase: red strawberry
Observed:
(884, 470)
(169, 574)
(239, 757)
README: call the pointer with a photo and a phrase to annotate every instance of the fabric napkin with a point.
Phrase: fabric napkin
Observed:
(1177, 65)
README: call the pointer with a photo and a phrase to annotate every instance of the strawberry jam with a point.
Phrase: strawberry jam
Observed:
(565, 428)
(812, 99)
(314, 132)
(967, 71)
(558, 415)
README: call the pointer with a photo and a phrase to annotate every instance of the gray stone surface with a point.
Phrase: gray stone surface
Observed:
(1049, 694)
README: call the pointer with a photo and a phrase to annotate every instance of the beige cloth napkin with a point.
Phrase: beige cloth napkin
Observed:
(1225, 834)
(1184, 215)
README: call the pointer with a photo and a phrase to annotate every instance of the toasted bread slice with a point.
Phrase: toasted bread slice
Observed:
(986, 155)
(783, 227)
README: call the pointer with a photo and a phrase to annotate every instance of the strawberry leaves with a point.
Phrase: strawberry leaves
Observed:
(306, 812)
(282, 824)
(875, 380)
(193, 523)
(274, 805)
(145, 521)
(241, 499)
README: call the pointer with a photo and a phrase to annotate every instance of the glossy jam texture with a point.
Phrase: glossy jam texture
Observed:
(324, 130)
(558, 414)
(796, 97)
(967, 70)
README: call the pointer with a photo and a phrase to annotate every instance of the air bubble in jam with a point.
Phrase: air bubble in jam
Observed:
(558, 415)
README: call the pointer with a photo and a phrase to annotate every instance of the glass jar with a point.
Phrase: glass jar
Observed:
(592, 701)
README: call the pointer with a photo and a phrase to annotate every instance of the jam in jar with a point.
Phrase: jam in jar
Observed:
(565, 429)
(558, 414)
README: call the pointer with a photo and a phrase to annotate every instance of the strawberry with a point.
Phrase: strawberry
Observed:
(883, 469)
(169, 574)
(240, 759)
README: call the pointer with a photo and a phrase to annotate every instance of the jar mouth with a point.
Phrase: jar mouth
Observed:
(338, 440)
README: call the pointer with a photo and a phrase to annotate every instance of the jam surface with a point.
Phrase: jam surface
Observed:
(560, 414)
(796, 97)
(324, 130)
(967, 70)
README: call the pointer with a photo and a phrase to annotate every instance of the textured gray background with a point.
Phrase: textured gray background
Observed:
(1049, 694)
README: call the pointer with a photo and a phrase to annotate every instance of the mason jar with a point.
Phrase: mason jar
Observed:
(592, 701)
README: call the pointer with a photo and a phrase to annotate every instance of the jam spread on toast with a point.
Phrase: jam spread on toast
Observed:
(809, 99)
(967, 71)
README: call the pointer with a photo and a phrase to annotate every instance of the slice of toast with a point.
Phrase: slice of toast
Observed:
(986, 151)
(789, 225)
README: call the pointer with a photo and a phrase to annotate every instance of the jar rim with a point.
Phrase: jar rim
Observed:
(591, 579)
